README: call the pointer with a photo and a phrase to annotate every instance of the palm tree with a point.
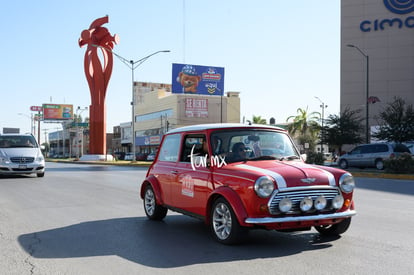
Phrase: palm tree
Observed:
(257, 120)
(306, 127)
(304, 122)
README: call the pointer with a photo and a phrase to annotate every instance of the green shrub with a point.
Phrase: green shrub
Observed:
(403, 164)
(315, 158)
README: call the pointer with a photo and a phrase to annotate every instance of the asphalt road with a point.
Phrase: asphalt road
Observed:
(88, 219)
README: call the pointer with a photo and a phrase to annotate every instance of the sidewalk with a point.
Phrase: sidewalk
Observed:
(372, 173)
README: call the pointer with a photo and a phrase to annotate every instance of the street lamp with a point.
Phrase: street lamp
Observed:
(323, 106)
(79, 109)
(366, 91)
(133, 65)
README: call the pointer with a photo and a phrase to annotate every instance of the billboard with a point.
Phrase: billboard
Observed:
(7, 130)
(195, 79)
(57, 111)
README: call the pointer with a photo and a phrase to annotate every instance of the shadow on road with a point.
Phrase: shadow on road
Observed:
(405, 187)
(176, 241)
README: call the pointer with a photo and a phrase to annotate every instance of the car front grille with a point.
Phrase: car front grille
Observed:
(22, 160)
(297, 195)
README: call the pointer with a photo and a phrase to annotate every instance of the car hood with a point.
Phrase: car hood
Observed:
(19, 152)
(286, 173)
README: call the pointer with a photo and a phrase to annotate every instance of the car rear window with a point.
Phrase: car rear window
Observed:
(401, 148)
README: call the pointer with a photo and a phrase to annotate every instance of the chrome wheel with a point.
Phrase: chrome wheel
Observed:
(149, 202)
(153, 210)
(222, 221)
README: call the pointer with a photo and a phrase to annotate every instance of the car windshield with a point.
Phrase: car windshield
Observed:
(241, 145)
(17, 141)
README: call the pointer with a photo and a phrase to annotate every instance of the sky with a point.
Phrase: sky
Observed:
(280, 55)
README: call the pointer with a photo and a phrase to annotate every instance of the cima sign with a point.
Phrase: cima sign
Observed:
(400, 7)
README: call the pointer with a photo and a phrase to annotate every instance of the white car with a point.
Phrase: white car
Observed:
(21, 154)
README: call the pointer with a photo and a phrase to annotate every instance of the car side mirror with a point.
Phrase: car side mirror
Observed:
(304, 157)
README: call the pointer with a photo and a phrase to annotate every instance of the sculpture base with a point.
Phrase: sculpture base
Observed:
(96, 158)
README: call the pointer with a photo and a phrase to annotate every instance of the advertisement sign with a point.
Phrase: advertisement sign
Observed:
(7, 130)
(195, 79)
(148, 140)
(196, 107)
(57, 111)
(36, 108)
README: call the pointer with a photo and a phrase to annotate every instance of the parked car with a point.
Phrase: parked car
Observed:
(20, 154)
(151, 157)
(141, 156)
(372, 155)
(210, 172)
(129, 156)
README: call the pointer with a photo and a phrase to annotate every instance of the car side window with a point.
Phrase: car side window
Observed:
(381, 148)
(169, 148)
(195, 144)
(367, 149)
(357, 150)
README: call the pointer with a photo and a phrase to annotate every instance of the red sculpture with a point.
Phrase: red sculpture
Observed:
(98, 75)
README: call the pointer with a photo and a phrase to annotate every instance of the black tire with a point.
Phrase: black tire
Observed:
(224, 225)
(334, 229)
(343, 164)
(153, 210)
(379, 164)
(40, 175)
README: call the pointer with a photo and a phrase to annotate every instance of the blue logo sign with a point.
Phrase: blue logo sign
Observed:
(195, 79)
(399, 6)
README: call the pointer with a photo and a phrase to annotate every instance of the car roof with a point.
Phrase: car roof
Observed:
(214, 126)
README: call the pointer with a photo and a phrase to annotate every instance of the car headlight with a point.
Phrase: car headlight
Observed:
(40, 158)
(264, 186)
(347, 183)
(320, 202)
(285, 205)
(306, 204)
(337, 202)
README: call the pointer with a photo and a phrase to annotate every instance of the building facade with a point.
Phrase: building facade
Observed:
(377, 56)
(158, 110)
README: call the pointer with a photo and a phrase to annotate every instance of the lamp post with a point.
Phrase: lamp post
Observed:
(133, 65)
(367, 132)
(323, 106)
(79, 109)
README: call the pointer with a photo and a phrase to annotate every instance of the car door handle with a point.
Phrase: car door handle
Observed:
(174, 172)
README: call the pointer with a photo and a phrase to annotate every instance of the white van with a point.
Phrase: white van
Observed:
(20, 154)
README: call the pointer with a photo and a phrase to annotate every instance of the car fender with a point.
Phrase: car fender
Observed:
(151, 180)
(234, 200)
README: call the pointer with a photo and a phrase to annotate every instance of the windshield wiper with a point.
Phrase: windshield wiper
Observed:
(289, 157)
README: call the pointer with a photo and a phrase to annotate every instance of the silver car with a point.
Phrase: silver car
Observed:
(21, 154)
(371, 155)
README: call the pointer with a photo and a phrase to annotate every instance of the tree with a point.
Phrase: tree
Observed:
(304, 122)
(306, 125)
(396, 122)
(257, 120)
(343, 129)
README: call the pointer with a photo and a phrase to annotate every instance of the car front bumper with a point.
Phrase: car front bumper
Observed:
(13, 168)
(332, 216)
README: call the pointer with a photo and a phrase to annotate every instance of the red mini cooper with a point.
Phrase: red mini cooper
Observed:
(237, 177)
